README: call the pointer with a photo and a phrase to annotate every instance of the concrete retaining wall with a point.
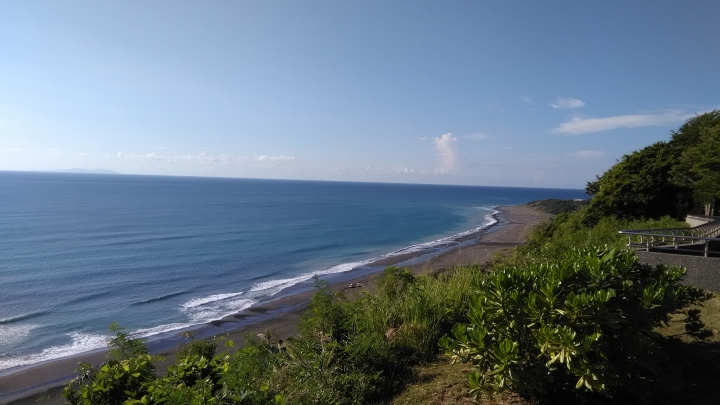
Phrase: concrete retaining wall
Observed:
(697, 220)
(702, 272)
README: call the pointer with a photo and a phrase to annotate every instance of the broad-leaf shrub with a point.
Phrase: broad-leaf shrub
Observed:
(578, 326)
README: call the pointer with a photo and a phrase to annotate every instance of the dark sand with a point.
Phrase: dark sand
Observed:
(41, 383)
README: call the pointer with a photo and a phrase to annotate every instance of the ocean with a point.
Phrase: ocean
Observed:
(159, 254)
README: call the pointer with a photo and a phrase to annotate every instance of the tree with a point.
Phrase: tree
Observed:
(638, 186)
(666, 178)
(699, 165)
(690, 133)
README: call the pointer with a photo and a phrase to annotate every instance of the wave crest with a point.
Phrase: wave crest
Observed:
(160, 298)
(23, 317)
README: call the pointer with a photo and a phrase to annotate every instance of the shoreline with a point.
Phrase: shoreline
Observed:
(282, 313)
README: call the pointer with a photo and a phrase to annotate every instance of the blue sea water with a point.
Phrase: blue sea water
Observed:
(155, 253)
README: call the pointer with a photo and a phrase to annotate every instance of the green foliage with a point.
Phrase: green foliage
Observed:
(555, 206)
(638, 186)
(395, 281)
(689, 134)
(663, 178)
(576, 326)
(201, 348)
(566, 231)
(125, 376)
(122, 346)
(699, 166)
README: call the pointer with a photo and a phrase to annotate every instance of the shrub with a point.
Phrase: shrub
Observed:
(126, 375)
(568, 230)
(579, 327)
(555, 206)
(201, 348)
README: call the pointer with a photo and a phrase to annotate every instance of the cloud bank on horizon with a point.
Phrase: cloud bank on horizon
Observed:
(472, 93)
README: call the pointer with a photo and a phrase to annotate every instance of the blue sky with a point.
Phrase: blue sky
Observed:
(537, 94)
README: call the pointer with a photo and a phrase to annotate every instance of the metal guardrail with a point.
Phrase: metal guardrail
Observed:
(700, 239)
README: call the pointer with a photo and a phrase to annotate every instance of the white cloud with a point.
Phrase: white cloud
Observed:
(274, 159)
(404, 170)
(567, 103)
(201, 158)
(81, 154)
(526, 100)
(587, 154)
(577, 126)
(478, 137)
(446, 150)
(205, 159)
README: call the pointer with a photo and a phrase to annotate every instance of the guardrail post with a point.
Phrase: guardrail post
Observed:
(707, 244)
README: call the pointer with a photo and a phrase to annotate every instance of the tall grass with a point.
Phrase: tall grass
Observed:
(569, 230)
(378, 337)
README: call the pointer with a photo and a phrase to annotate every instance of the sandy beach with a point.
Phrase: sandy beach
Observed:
(41, 383)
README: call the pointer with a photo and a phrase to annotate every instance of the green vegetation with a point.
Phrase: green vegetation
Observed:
(570, 230)
(664, 179)
(699, 165)
(555, 206)
(571, 327)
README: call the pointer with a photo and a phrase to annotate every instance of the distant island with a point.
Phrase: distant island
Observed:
(95, 171)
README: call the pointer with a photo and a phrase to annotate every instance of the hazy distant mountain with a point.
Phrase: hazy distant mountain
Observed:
(96, 171)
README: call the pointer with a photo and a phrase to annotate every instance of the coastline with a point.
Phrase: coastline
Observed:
(282, 313)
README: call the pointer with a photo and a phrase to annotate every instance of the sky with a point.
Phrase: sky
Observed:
(530, 94)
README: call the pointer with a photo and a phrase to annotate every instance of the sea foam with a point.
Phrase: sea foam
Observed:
(80, 343)
(216, 306)
(10, 334)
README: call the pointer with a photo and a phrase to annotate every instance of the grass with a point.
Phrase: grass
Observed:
(698, 359)
(568, 230)
(709, 314)
(443, 383)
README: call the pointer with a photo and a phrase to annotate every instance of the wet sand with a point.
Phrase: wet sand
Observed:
(39, 383)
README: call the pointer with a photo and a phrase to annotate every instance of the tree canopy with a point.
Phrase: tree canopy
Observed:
(666, 178)
(698, 167)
